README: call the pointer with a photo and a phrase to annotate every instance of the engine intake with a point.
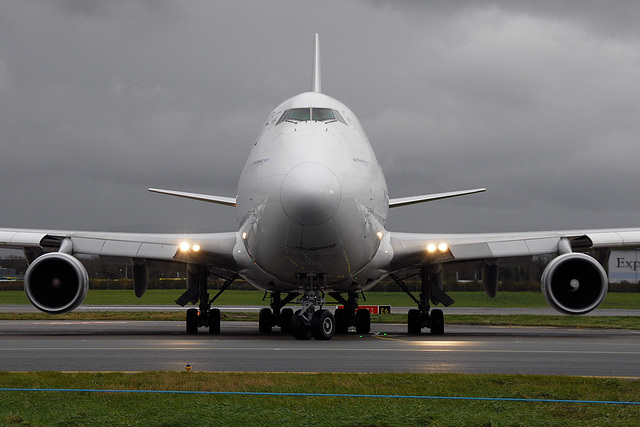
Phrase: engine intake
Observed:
(574, 283)
(56, 283)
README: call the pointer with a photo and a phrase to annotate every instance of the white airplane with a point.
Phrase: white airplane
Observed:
(312, 207)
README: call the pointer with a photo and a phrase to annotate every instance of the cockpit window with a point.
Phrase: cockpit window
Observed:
(283, 117)
(299, 114)
(316, 114)
(322, 114)
(339, 116)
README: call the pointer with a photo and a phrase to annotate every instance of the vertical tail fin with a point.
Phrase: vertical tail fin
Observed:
(316, 66)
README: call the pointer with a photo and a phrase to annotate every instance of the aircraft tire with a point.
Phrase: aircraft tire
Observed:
(363, 321)
(214, 321)
(286, 315)
(192, 321)
(414, 322)
(301, 330)
(323, 325)
(264, 321)
(342, 321)
(437, 322)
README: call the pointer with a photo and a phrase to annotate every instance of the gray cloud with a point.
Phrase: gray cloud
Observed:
(538, 101)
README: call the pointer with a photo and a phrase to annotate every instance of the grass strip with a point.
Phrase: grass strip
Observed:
(118, 409)
(598, 322)
(396, 299)
(176, 316)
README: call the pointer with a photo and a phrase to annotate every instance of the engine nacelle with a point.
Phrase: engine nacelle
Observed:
(574, 283)
(56, 283)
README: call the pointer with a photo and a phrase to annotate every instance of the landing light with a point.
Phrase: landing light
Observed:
(244, 236)
(442, 247)
(379, 234)
(185, 247)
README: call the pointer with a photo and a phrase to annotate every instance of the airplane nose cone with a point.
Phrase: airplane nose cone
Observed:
(310, 194)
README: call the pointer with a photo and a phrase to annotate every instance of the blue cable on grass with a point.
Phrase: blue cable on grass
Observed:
(380, 396)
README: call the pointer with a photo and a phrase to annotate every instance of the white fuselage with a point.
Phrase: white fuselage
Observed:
(311, 199)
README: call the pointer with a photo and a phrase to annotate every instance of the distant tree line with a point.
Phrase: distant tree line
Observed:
(520, 274)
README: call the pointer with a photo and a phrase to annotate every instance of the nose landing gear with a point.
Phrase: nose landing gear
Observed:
(312, 320)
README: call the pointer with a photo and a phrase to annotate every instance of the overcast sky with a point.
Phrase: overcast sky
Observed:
(538, 101)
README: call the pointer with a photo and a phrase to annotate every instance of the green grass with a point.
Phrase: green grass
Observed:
(598, 322)
(397, 299)
(177, 316)
(116, 409)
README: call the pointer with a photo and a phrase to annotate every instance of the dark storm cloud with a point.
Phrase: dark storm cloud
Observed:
(538, 101)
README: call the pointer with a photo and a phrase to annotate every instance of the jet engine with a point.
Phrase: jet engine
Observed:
(574, 283)
(56, 283)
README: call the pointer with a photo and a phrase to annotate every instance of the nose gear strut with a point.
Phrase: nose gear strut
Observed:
(312, 320)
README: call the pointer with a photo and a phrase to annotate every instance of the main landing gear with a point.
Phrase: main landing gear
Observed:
(204, 315)
(431, 290)
(350, 315)
(277, 315)
(311, 321)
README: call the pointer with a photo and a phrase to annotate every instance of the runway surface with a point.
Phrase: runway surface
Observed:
(144, 346)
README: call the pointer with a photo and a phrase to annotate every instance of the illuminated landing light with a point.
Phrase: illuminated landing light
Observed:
(244, 236)
(379, 234)
(442, 247)
(185, 247)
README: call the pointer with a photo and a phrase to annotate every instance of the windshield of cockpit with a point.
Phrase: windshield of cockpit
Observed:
(296, 115)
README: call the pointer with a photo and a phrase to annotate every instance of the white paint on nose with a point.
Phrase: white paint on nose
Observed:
(310, 194)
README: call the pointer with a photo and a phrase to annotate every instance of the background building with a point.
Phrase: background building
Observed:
(624, 266)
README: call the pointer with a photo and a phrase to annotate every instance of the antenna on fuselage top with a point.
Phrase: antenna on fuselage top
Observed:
(316, 66)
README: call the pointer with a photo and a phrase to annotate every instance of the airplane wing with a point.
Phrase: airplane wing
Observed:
(415, 250)
(215, 249)
(573, 282)
(56, 281)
